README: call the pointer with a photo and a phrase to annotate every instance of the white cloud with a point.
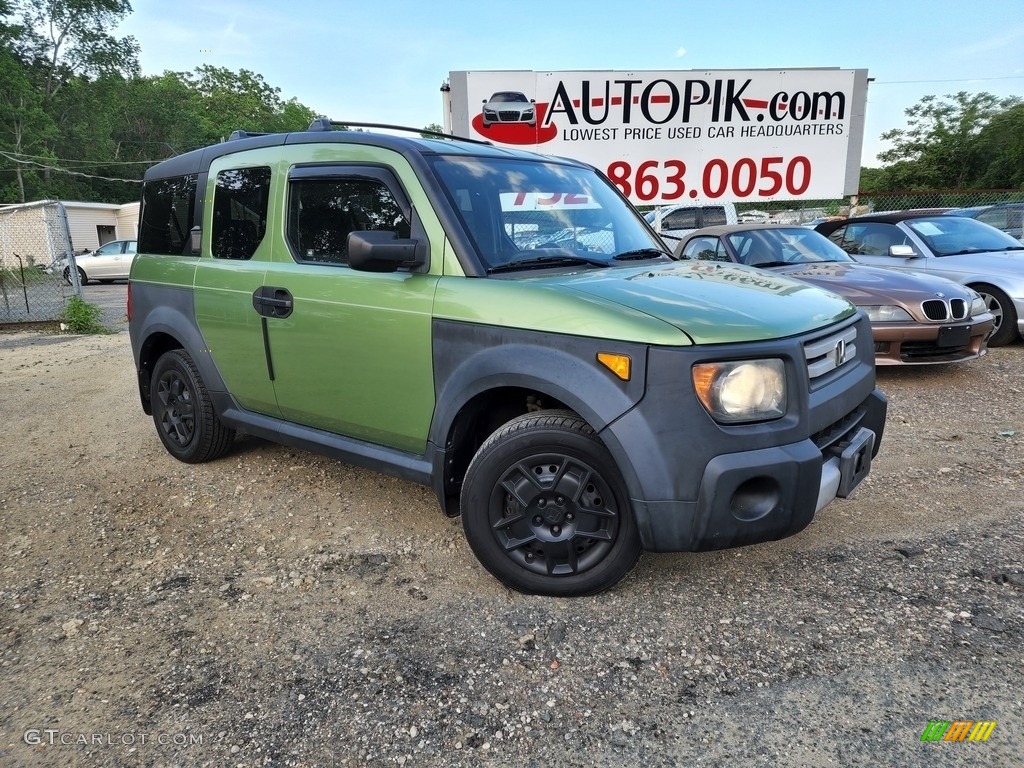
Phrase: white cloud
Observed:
(680, 52)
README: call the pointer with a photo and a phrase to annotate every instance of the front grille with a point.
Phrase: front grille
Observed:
(508, 115)
(838, 430)
(911, 351)
(941, 311)
(827, 353)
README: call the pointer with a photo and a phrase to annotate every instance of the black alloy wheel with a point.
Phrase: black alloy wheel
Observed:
(545, 509)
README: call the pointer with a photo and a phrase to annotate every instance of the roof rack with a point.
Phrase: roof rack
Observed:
(326, 124)
(245, 135)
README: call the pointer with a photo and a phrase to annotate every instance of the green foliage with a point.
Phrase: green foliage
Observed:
(961, 141)
(82, 317)
(77, 119)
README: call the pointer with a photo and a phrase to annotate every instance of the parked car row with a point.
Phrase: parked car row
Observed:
(957, 248)
(939, 286)
(915, 318)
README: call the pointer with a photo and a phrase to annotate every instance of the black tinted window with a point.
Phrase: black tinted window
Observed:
(684, 218)
(713, 216)
(240, 212)
(322, 213)
(168, 214)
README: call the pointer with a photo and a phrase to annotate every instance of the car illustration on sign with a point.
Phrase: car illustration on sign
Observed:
(509, 107)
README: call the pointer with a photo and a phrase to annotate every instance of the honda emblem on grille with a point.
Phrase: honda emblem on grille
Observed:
(840, 352)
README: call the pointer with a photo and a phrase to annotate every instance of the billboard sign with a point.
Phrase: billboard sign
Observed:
(680, 135)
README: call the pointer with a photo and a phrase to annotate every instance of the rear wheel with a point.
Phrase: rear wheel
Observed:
(1003, 311)
(183, 413)
(545, 509)
(83, 279)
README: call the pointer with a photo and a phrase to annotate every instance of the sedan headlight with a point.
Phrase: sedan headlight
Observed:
(978, 305)
(742, 390)
(888, 314)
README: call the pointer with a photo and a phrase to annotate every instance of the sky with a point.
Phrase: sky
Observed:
(385, 61)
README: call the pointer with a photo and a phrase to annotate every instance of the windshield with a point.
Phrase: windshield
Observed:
(953, 235)
(536, 213)
(784, 245)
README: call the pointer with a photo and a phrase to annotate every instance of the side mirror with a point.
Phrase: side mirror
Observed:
(903, 252)
(373, 251)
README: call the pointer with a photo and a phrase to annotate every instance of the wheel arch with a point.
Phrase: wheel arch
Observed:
(487, 389)
(164, 327)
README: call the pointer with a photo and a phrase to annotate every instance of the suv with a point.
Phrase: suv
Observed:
(392, 302)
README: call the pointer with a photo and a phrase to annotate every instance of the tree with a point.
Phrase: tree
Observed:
(939, 148)
(65, 38)
(1001, 144)
(242, 101)
(434, 127)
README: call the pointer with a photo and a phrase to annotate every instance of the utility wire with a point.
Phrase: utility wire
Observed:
(86, 162)
(954, 80)
(67, 171)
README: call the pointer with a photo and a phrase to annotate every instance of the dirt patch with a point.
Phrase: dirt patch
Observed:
(278, 608)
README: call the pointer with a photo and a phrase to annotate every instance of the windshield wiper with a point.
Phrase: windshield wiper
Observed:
(640, 253)
(542, 262)
(764, 264)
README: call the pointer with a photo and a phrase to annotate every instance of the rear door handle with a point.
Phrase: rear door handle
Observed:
(270, 301)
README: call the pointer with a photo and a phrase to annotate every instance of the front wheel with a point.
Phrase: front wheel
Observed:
(545, 510)
(183, 413)
(1003, 311)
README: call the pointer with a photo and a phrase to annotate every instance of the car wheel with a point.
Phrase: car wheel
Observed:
(545, 509)
(82, 277)
(183, 413)
(1003, 311)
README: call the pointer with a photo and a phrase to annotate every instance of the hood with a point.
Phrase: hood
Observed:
(713, 302)
(874, 286)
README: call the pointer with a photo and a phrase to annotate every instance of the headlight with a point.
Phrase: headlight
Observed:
(742, 390)
(888, 314)
(978, 305)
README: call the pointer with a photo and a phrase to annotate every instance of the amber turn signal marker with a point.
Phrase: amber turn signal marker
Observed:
(703, 379)
(617, 364)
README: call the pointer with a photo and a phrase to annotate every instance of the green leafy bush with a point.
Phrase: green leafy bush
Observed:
(82, 317)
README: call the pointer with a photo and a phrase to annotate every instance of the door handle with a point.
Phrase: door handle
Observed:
(270, 301)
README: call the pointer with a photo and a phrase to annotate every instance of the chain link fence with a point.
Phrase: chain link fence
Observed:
(37, 264)
(1000, 208)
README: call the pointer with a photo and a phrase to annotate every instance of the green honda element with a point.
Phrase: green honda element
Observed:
(505, 328)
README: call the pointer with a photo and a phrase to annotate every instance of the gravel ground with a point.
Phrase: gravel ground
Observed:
(275, 608)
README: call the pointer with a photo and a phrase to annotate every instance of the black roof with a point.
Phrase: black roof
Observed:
(828, 227)
(198, 160)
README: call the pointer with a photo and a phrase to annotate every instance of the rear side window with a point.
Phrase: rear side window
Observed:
(713, 216)
(168, 215)
(323, 211)
(684, 218)
(705, 249)
(240, 202)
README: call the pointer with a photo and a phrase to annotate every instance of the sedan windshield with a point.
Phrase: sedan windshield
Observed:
(531, 214)
(953, 236)
(783, 245)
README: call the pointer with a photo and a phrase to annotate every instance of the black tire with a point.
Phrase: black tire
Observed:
(82, 277)
(545, 510)
(183, 413)
(1002, 308)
